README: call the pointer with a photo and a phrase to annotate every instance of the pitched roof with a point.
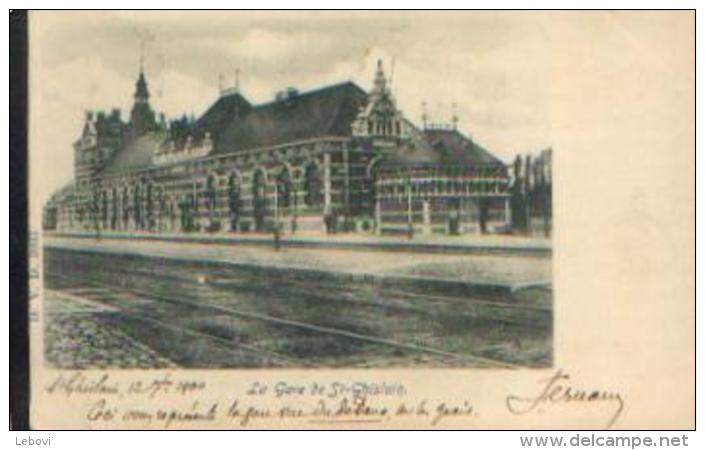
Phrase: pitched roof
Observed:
(415, 151)
(226, 109)
(329, 111)
(439, 147)
(452, 147)
(137, 154)
(236, 125)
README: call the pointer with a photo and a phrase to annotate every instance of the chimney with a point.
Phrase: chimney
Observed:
(291, 93)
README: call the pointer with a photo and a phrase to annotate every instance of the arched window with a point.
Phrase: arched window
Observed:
(94, 208)
(194, 200)
(104, 208)
(312, 185)
(187, 206)
(438, 186)
(284, 188)
(125, 207)
(234, 201)
(259, 198)
(376, 189)
(114, 209)
(137, 206)
(211, 194)
(160, 205)
(149, 205)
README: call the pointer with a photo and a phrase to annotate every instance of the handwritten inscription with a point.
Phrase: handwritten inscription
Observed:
(77, 383)
(170, 401)
(330, 390)
(167, 400)
(558, 389)
(102, 411)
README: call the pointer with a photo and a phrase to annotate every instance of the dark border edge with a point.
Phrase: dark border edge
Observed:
(19, 288)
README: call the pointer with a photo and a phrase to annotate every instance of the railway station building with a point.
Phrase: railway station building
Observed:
(332, 159)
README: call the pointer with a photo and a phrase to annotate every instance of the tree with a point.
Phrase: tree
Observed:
(528, 194)
(517, 198)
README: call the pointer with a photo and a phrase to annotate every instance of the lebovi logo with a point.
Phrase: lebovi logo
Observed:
(32, 441)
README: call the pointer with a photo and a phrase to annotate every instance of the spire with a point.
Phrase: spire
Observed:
(141, 91)
(380, 79)
(142, 118)
(237, 80)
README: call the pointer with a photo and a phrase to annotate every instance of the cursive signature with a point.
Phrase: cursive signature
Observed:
(559, 390)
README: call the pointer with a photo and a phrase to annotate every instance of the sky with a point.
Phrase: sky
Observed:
(494, 67)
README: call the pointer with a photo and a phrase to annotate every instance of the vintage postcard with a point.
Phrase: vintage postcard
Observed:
(366, 220)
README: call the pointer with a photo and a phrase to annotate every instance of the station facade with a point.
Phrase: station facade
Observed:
(332, 159)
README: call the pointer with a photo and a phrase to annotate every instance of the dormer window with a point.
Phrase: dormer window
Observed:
(380, 117)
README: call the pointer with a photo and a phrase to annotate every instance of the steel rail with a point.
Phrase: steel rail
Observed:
(307, 326)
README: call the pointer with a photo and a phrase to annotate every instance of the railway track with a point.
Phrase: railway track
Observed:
(228, 345)
(197, 303)
(346, 293)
